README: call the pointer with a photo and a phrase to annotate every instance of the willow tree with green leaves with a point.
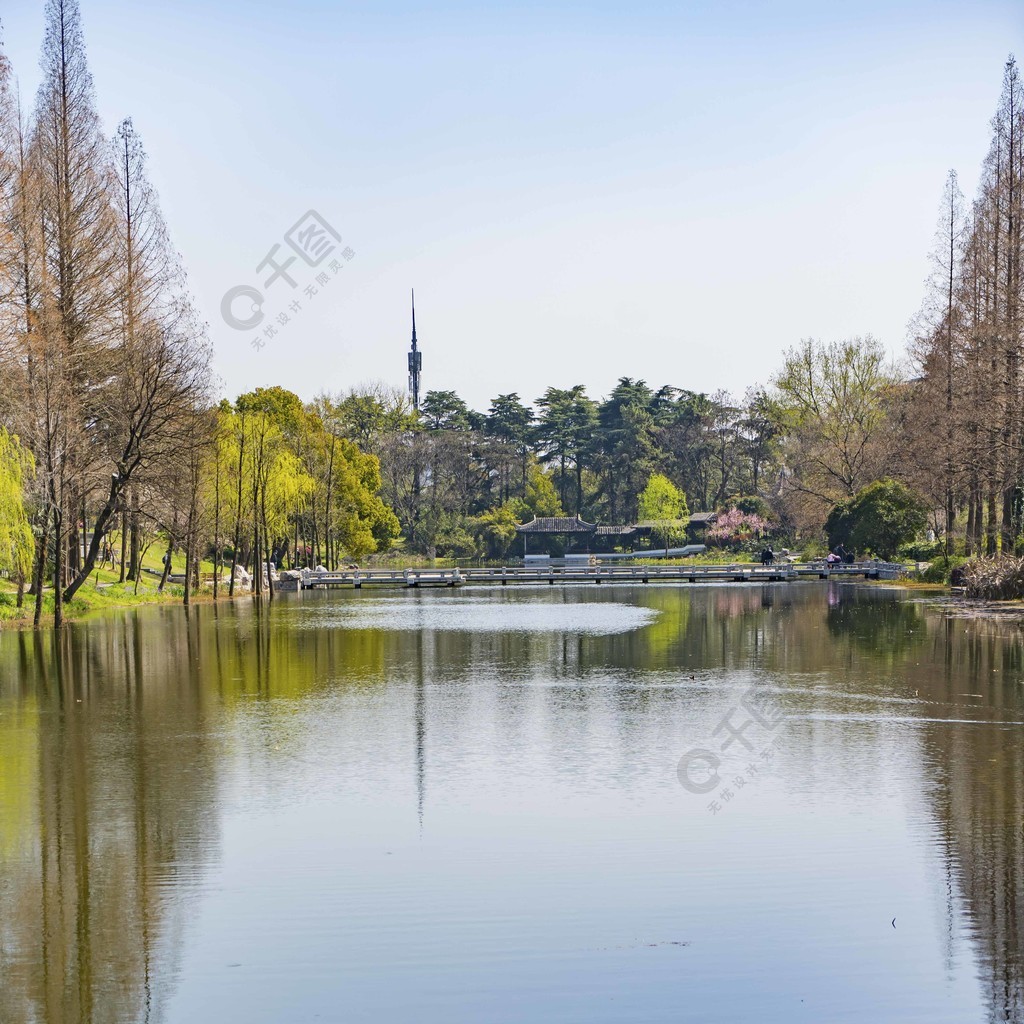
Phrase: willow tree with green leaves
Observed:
(293, 486)
(664, 505)
(275, 479)
(358, 518)
(16, 541)
(342, 513)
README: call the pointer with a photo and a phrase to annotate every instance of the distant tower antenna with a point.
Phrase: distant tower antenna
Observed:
(415, 361)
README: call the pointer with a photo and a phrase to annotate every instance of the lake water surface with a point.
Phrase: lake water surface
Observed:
(447, 806)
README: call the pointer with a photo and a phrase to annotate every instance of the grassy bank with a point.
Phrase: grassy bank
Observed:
(103, 591)
(89, 599)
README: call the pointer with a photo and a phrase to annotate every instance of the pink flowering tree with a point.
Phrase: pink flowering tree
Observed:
(735, 528)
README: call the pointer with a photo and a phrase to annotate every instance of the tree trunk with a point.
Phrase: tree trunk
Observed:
(216, 528)
(39, 569)
(167, 566)
(106, 514)
(238, 517)
(135, 556)
(950, 520)
(990, 525)
(257, 561)
(124, 546)
(969, 538)
(58, 568)
(1008, 532)
(188, 568)
(332, 555)
(978, 518)
(266, 541)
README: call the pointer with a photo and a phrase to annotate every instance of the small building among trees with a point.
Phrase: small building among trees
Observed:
(567, 533)
(608, 538)
(697, 527)
(563, 535)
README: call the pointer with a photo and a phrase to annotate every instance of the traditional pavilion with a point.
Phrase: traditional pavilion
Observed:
(608, 537)
(572, 528)
(576, 535)
(699, 523)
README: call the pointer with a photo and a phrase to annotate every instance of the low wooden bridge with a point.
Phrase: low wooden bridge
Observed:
(740, 572)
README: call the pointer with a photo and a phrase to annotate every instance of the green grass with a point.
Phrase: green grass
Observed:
(151, 559)
(396, 559)
(103, 589)
(715, 556)
(87, 601)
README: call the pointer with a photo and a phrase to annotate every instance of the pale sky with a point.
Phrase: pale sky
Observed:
(577, 191)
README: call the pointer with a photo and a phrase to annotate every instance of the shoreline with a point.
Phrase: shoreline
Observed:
(95, 601)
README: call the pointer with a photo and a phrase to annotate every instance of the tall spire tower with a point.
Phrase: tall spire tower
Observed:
(415, 361)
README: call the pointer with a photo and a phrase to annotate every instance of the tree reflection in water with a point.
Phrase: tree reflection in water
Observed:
(112, 748)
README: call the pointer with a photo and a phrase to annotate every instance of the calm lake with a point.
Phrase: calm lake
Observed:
(470, 806)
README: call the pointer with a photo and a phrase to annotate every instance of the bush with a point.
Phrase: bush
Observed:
(736, 529)
(941, 570)
(753, 505)
(923, 551)
(879, 518)
(994, 579)
(812, 550)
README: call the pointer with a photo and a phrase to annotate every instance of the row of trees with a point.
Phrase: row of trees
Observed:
(108, 425)
(290, 486)
(102, 359)
(460, 480)
(817, 440)
(966, 414)
(948, 426)
(109, 429)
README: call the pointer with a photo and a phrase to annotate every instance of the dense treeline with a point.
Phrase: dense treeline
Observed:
(460, 480)
(944, 436)
(102, 357)
(966, 417)
(112, 442)
(109, 430)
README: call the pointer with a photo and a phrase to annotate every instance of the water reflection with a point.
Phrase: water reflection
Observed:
(107, 801)
(128, 743)
(978, 790)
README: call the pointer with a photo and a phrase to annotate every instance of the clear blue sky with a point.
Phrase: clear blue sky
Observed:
(577, 191)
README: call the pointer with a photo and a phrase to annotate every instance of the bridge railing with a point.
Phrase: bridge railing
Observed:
(627, 571)
(732, 571)
(871, 566)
